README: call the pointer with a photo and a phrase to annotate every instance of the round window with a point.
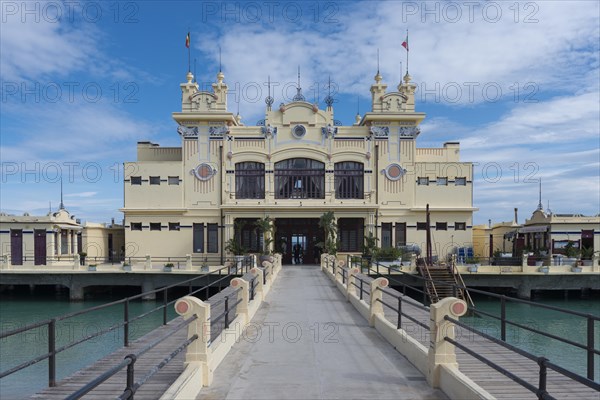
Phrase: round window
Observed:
(204, 172)
(394, 172)
(299, 131)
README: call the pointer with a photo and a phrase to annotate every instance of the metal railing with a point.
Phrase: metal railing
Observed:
(588, 347)
(224, 273)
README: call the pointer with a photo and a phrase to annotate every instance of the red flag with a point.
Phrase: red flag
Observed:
(405, 43)
(187, 40)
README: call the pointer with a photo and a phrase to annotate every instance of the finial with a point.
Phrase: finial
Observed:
(299, 96)
(269, 100)
(377, 61)
(358, 105)
(407, 77)
(220, 77)
(62, 205)
(329, 100)
(189, 77)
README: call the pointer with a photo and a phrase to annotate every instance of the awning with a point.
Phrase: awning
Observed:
(532, 229)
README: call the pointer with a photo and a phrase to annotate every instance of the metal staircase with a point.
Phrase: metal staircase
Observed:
(443, 281)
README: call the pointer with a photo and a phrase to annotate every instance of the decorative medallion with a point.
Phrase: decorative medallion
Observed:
(204, 172)
(394, 172)
(298, 131)
(187, 130)
(380, 131)
(269, 131)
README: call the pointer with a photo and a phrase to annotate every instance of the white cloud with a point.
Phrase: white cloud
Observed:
(82, 194)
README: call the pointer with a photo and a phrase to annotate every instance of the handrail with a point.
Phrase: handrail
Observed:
(429, 281)
(465, 292)
(51, 323)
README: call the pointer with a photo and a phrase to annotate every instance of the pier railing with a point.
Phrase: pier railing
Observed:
(223, 274)
(361, 282)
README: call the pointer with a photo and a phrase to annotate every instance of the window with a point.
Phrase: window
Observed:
(136, 180)
(441, 181)
(401, 234)
(250, 235)
(299, 178)
(349, 180)
(441, 226)
(155, 180)
(212, 240)
(423, 181)
(155, 226)
(136, 226)
(198, 238)
(421, 226)
(249, 180)
(174, 226)
(460, 226)
(173, 180)
(386, 235)
(351, 234)
(460, 181)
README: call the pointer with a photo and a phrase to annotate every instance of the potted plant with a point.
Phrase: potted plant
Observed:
(82, 255)
(587, 255)
(369, 248)
(233, 246)
(168, 267)
(126, 266)
(473, 264)
(92, 267)
(571, 253)
(266, 228)
(329, 226)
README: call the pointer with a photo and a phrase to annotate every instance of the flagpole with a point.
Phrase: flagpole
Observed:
(407, 46)
(189, 51)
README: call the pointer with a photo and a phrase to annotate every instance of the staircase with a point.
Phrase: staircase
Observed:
(441, 282)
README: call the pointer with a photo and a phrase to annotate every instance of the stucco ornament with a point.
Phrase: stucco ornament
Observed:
(329, 131)
(394, 172)
(409, 131)
(269, 131)
(380, 131)
(204, 172)
(187, 130)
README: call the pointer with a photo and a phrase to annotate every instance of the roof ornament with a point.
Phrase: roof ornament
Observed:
(269, 100)
(299, 96)
(329, 99)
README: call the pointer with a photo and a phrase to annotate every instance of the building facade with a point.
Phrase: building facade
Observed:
(293, 166)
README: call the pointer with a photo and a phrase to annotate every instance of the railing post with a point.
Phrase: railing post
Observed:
(51, 350)
(131, 375)
(361, 288)
(226, 312)
(542, 378)
(126, 323)
(242, 307)
(258, 276)
(188, 261)
(350, 288)
(148, 263)
(440, 351)
(590, 348)
(503, 318)
(165, 297)
(399, 312)
(197, 351)
(375, 305)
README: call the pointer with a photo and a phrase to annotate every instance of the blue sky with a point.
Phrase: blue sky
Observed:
(516, 83)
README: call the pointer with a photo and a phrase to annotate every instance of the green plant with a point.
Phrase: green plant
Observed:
(169, 265)
(233, 246)
(570, 250)
(266, 228)
(82, 254)
(329, 226)
(126, 264)
(388, 254)
(370, 245)
(587, 253)
(472, 260)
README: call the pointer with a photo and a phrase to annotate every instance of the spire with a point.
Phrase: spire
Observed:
(269, 100)
(61, 206)
(329, 99)
(220, 65)
(377, 61)
(378, 76)
(299, 96)
(540, 206)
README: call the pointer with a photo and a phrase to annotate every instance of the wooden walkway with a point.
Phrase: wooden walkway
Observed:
(114, 386)
(500, 386)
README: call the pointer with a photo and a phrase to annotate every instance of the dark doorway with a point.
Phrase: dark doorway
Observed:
(111, 249)
(39, 245)
(16, 246)
(587, 240)
(297, 238)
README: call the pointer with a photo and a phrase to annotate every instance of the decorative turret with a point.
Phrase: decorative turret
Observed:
(220, 90)
(408, 90)
(377, 92)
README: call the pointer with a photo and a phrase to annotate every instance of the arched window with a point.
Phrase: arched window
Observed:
(249, 180)
(299, 178)
(349, 180)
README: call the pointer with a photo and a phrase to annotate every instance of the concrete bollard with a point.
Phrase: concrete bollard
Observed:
(188, 262)
(148, 263)
(197, 351)
(268, 268)
(76, 262)
(350, 288)
(259, 277)
(242, 307)
(324, 261)
(375, 306)
(440, 351)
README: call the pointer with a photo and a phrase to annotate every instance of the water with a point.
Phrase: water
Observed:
(19, 309)
(557, 323)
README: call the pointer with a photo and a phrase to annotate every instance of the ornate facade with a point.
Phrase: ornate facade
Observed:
(296, 164)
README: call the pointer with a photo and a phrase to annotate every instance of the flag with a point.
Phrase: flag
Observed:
(187, 40)
(405, 43)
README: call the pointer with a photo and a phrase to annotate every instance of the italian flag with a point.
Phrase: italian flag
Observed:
(187, 41)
